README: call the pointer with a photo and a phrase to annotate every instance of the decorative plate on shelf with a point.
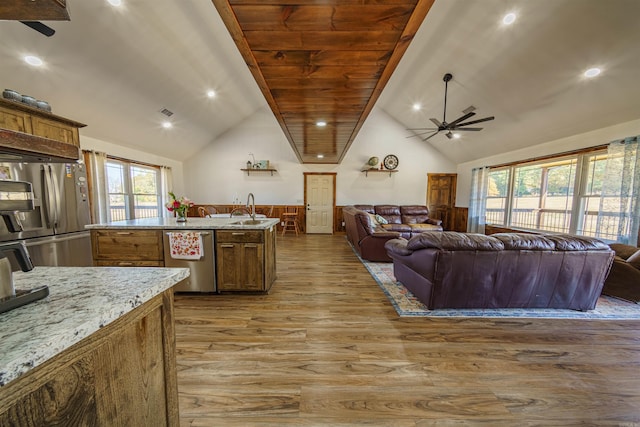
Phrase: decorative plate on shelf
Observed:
(390, 162)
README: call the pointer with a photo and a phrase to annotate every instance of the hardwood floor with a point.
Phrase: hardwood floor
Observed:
(326, 348)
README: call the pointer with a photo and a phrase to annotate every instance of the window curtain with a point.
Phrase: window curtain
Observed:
(478, 201)
(619, 212)
(166, 185)
(99, 194)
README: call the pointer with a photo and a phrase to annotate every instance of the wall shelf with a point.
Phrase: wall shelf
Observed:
(248, 171)
(389, 171)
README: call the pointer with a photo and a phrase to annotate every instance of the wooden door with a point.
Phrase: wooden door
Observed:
(441, 197)
(319, 194)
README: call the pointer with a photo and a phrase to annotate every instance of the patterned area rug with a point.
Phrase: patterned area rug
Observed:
(407, 305)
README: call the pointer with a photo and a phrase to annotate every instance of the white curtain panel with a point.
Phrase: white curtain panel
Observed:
(99, 196)
(166, 185)
(478, 201)
(619, 212)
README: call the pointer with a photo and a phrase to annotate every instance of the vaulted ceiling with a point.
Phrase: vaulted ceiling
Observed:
(115, 69)
(321, 66)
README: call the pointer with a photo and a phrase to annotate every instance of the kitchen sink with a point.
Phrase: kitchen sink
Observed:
(249, 222)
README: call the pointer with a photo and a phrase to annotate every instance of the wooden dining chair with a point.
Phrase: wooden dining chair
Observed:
(289, 219)
(205, 211)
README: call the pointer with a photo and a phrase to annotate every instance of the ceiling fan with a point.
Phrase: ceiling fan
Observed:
(456, 125)
(40, 27)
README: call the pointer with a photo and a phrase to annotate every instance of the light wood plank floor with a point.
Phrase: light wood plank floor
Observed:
(326, 348)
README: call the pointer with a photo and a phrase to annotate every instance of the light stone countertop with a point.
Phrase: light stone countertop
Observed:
(193, 223)
(81, 300)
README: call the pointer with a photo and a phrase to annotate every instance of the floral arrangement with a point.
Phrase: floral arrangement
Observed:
(178, 205)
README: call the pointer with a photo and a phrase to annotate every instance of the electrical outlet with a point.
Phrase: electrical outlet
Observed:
(282, 223)
(343, 223)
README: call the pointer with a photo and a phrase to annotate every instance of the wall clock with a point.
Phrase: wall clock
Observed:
(390, 162)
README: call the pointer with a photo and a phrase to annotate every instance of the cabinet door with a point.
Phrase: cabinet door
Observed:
(240, 266)
(15, 120)
(55, 130)
(229, 264)
(252, 267)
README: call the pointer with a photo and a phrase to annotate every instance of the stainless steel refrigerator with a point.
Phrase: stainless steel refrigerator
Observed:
(54, 230)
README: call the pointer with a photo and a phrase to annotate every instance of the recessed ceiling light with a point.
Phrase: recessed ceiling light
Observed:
(417, 106)
(167, 125)
(211, 93)
(115, 3)
(321, 123)
(509, 18)
(592, 72)
(320, 156)
(33, 60)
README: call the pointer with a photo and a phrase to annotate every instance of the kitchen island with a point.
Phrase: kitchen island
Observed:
(99, 350)
(244, 258)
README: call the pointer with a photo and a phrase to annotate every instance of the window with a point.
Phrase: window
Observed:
(560, 195)
(133, 190)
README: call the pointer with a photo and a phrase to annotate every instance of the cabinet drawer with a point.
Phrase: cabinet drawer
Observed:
(127, 245)
(102, 263)
(55, 130)
(239, 236)
(15, 120)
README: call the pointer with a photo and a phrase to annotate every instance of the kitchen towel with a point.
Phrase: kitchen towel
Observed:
(186, 245)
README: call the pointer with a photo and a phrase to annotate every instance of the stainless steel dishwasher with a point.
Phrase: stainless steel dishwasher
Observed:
(202, 277)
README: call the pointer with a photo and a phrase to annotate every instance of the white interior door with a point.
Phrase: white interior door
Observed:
(320, 203)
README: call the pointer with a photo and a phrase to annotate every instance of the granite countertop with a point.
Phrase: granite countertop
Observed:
(81, 300)
(193, 223)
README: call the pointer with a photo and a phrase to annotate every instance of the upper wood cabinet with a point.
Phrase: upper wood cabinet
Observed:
(32, 130)
(34, 10)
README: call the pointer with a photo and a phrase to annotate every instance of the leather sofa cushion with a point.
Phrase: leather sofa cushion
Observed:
(526, 242)
(390, 212)
(624, 251)
(397, 227)
(454, 241)
(420, 228)
(634, 260)
(414, 210)
(567, 242)
(366, 208)
(414, 219)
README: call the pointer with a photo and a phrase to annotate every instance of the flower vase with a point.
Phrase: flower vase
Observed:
(181, 215)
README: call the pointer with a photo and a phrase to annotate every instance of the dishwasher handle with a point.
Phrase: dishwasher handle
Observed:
(202, 233)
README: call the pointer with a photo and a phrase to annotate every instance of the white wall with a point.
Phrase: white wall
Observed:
(214, 175)
(575, 142)
(88, 143)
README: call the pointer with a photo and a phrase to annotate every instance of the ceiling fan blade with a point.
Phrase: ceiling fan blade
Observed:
(436, 122)
(40, 27)
(472, 129)
(421, 133)
(421, 128)
(433, 134)
(460, 119)
(486, 119)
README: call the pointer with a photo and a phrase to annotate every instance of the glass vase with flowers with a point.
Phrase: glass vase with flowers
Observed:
(180, 206)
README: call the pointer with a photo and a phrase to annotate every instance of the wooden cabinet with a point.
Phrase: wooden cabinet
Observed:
(127, 248)
(245, 260)
(19, 117)
(124, 374)
(441, 198)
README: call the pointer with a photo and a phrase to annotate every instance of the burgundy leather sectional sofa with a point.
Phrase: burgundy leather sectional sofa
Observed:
(505, 270)
(368, 236)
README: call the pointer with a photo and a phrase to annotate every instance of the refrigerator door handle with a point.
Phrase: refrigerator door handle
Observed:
(51, 210)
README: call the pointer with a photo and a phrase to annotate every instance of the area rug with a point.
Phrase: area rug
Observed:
(408, 305)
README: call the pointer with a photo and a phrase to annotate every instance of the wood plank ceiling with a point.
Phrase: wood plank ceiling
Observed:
(322, 60)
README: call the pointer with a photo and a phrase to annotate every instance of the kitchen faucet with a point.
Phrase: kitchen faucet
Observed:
(253, 205)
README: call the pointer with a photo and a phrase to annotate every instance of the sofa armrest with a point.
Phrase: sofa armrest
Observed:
(433, 221)
(398, 246)
(385, 234)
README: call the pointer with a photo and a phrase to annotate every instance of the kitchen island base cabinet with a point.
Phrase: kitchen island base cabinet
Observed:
(245, 260)
(124, 374)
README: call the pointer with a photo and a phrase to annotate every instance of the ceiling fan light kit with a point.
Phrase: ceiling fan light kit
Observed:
(456, 125)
